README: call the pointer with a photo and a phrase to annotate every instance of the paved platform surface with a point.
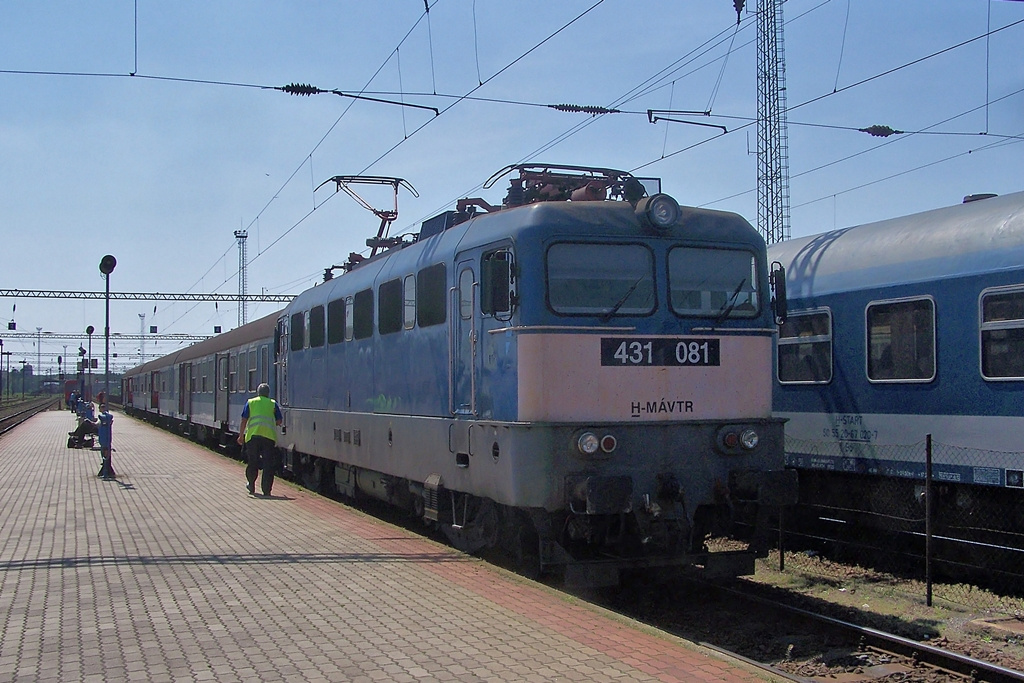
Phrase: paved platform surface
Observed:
(173, 573)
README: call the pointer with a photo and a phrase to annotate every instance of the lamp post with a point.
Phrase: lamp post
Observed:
(8, 354)
(23, 361)
(89, 330)
(39, 350)
(107, 264)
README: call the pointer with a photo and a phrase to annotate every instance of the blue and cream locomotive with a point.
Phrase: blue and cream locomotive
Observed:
(581, 377)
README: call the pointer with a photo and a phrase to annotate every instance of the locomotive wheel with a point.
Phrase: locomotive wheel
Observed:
(313, 474)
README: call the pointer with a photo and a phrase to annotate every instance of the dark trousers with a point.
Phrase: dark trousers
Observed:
(261, 454)
(85, 428)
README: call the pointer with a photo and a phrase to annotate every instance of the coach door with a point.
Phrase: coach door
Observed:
(185, 391)
(281, 343)
(463, 341)
(220, 400)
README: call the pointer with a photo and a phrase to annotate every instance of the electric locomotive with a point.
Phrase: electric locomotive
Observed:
(580, 377)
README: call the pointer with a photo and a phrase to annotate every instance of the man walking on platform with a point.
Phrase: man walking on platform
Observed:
(260, 417)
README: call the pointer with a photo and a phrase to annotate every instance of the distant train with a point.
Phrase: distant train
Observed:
(898, 330)
(580, 378)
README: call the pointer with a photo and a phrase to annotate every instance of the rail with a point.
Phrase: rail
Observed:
(15, 415)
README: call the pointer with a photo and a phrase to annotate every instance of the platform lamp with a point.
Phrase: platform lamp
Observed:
(107, 264)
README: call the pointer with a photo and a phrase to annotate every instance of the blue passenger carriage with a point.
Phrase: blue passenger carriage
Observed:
(898, 330)
(201, 390)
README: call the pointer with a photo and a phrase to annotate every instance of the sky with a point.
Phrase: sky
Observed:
(153, 131)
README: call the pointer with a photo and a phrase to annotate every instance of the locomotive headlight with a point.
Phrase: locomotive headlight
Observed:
(588, 443)
(749, 439)
(658, 211)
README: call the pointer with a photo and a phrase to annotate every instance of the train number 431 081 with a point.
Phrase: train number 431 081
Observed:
(624, 352)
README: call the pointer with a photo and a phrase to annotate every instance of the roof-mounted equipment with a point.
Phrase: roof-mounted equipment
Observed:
(659, 211)
(386, 216)
(555, 182)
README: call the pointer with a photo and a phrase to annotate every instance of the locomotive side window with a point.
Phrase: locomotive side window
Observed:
(409, 302)
(389, 301)
(901, 340)
(336, 321)
(316, 326)
(805, 348)
(432, 287)
(713, 282)
(466, 294)
(1002, 334)
(362, 314)
(496, 278)
(600, 279)
(349, 319)
(298, 329)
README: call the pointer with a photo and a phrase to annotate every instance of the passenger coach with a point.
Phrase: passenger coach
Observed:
(898, 330)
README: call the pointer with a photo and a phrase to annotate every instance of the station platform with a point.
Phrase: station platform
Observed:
(173, 572)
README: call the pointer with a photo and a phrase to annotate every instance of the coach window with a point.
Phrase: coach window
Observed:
(232, 373)
(362, 314)
(805, 348)
(389, 301)
(253, 384)
(409, 302)
(336, 321)
(901, 341)
(713, 282)
(1002, 334)
(264, 364)
(298, 329)
(600, 279)
(316, 326)
(432, 288)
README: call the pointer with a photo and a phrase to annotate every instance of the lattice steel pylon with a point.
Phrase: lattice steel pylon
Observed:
(243, 278)
(772, 139)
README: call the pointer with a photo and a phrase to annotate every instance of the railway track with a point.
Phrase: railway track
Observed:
(12, 416)
(796, 643)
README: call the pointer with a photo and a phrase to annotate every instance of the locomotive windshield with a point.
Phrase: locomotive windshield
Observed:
(601, 279)
(720, 283)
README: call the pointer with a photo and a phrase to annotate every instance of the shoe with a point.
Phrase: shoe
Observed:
(266, 494)
(251, 488)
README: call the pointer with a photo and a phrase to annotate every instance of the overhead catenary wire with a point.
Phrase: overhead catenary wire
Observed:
(837, 91)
